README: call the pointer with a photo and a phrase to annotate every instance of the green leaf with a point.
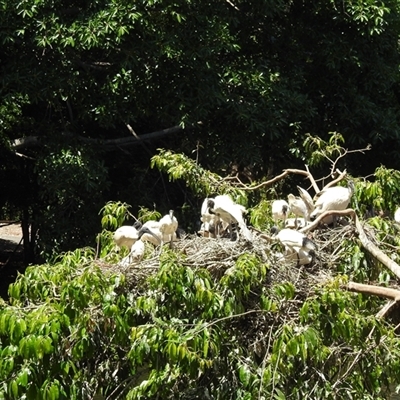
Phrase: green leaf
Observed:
(244, 375)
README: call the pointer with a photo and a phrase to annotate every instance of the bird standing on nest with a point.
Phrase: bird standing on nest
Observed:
(138, 248)
(230, 212)
(211, 222)
(335, 198)
(126, 235)
(295, 242)
(298, 208)
(280, 210)
(168, 226)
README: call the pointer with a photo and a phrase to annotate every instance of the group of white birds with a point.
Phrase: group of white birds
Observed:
(154, 232)
(306, 209)
(297, 245)
(221, 215)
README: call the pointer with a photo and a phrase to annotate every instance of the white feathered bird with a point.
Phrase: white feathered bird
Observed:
(136, 254)
(303, 257)
(138, 248)
(154, 227)
(210, 222)
(280, 210)
(335, 198)
(298, 207)
(230, 212)
(168, 226)
(295, 242)
(126, 236)
(308, 201)
(295, 223)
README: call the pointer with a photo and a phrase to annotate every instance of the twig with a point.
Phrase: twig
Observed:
(346, 212)
(379, 291)
(335, 181)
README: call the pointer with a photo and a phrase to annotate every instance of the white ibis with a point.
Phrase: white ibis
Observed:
(298, 207)
(138, 248)
(295, 242)
(168, 226)
(230, 212)
(333, 199)
(126, 235)
(210, 222)
(280, 210)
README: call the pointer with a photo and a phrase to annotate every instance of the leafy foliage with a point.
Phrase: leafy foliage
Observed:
(80, 328)
(201, 181)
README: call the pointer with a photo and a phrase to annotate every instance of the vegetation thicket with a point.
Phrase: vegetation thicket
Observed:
(213, 318)
(135, 108)
(239, 82)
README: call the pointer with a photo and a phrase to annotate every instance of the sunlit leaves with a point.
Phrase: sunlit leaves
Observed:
(114, 214)
(201, 181)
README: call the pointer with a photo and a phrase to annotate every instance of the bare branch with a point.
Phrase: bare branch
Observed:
(388, 293)
(347, 151)
(335, 181)
(278, 178)
(110, 144)
(347, 212)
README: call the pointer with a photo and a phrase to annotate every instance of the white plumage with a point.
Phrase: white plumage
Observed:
(210, 222)
(168, 226)
(136, 254)
(126, 236)
(397, 215)
(308, 201)
(230, 212)
(154, 227)
(303, 257)
(333, 199)
(280, 210)
(138, 248)
(293, 240)
(295, 223)
(298, 207)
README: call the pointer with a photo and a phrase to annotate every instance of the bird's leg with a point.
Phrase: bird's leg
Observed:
(231, 231)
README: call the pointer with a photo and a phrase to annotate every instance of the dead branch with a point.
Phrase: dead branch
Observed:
(346, 212)
(345, 152)
(281, 176)
(387, 293)
(312, 180)
(110, 144)
(375, 251)
(385, 309)
(335, 181)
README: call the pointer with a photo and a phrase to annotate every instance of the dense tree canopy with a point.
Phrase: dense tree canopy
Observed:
(245, 80)
(157, 104)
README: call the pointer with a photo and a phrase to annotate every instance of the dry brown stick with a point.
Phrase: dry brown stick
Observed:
(385, 309)
(387, 293)
(375, 251)
(335, 181)
(347, 211)
(281, 176)
(312, 180)
(392, 294)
